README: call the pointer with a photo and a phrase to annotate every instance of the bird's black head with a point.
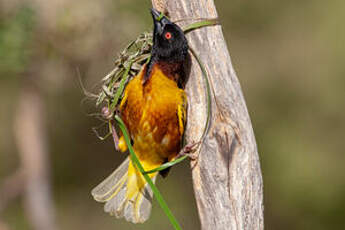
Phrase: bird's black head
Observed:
(169, 42)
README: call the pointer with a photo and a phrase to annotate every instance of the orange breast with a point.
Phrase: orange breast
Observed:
(150, 112)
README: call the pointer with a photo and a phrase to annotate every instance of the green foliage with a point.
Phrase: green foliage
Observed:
(16, 34)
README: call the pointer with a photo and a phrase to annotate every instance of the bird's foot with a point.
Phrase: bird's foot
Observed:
(189, 150)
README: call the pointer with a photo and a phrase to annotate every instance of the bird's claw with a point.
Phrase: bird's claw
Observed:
(189, 150)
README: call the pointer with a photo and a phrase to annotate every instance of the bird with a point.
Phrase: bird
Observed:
(153, 108)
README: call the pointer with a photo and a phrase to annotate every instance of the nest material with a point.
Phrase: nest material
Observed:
(127, 65)
(130, 62)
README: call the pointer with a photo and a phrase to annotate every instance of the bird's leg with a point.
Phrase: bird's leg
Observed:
(108, 114)
(115, 136)
(189, 150)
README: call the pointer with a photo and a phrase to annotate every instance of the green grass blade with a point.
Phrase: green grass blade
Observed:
(160, 17)
(166, 165)
(208, 90)
(196, 25)
(119, 91)
(155, 190)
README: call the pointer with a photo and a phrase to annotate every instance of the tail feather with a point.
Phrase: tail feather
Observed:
(105, 190)
(113, 191)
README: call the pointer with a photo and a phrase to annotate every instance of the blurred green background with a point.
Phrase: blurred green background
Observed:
(289, 57)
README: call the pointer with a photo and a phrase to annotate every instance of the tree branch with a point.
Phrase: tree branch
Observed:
(227, 176)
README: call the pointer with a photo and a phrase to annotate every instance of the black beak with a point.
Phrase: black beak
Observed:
(156, 15)
(159, 20)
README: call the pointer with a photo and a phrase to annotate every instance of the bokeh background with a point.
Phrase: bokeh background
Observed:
(290, 60)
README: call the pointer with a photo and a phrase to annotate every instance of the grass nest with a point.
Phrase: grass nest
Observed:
(128, 65)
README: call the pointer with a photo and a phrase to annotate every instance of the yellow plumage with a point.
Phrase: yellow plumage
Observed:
(154, 110)
(154, 114)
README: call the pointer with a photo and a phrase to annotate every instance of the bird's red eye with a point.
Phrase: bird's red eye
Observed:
(168, 35)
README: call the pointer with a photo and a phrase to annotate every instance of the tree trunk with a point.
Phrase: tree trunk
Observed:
(226, 176)
(30, 133)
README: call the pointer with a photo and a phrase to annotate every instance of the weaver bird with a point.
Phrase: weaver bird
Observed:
(154, 110)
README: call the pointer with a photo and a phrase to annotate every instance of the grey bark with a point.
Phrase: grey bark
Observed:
(227, 176)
